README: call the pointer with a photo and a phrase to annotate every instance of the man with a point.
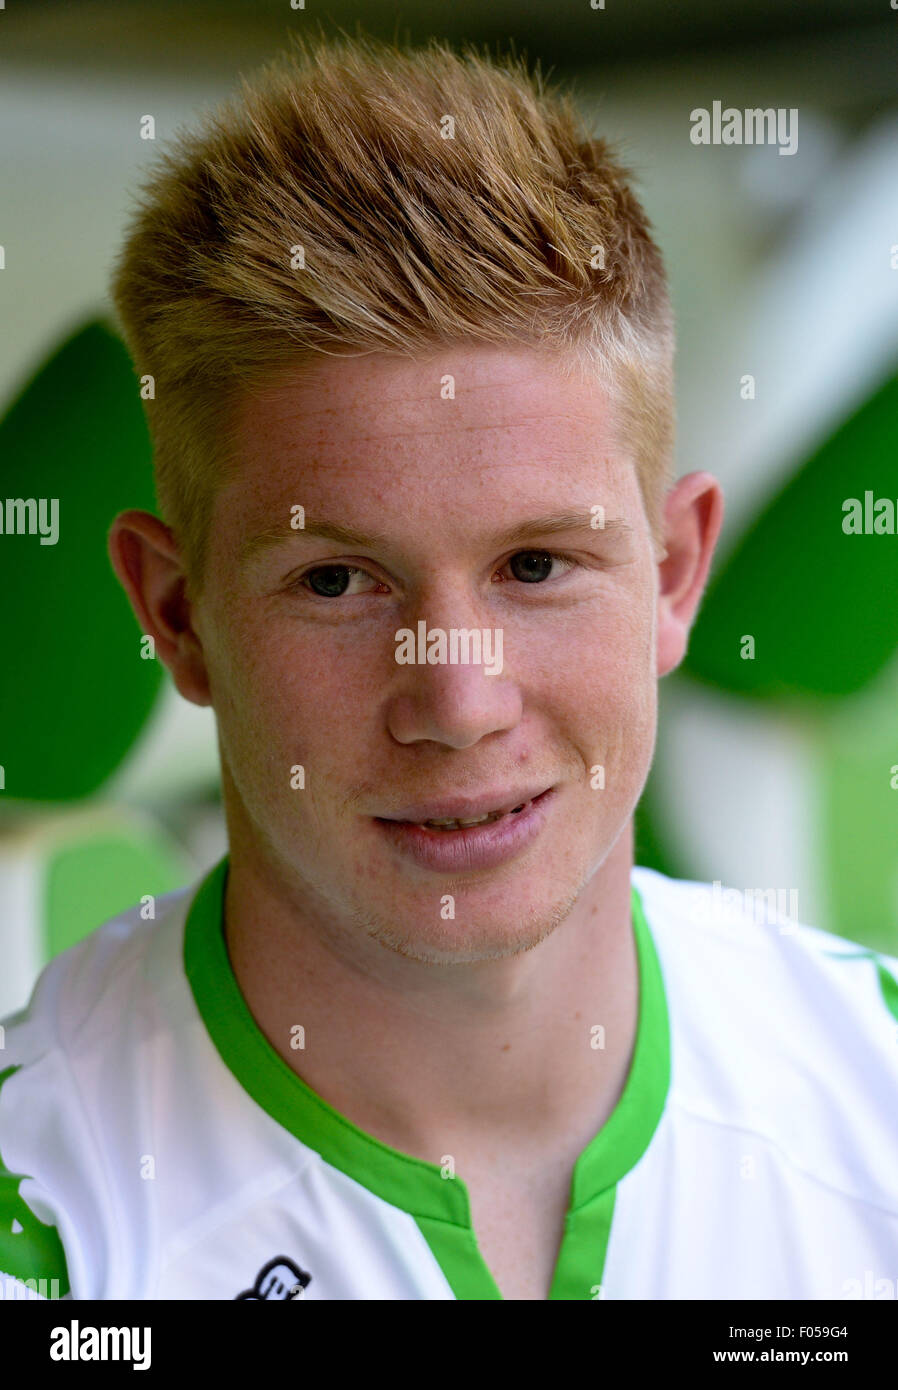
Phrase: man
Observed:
(426, 1032)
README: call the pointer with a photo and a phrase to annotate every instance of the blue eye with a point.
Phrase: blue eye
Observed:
(536, 565)
(327, 580)
(330, 583)
(543, 559)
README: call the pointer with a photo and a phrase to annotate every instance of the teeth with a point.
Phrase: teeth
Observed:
(461, 824)
(464, 824)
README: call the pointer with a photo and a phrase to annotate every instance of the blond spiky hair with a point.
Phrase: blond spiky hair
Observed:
(514, 228)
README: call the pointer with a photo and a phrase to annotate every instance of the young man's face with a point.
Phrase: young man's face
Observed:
(300, 678)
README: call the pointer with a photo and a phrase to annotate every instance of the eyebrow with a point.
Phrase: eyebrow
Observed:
(552, 524)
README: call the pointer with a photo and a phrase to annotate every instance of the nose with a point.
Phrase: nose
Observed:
(446, 693)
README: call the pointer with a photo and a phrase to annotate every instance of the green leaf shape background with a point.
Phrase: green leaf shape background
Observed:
(821, 605)
(76, 692)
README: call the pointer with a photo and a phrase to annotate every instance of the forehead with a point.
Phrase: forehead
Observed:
(466, 438)
(490, 406)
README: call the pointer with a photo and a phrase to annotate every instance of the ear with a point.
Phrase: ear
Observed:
(150, 568)
(693, 514)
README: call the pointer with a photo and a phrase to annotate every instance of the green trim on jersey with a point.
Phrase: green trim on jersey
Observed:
(440, 1206)
(34, 1252)
(888, 985)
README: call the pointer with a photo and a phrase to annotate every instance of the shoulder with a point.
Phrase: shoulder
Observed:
(780, 1029)
(757, 930)
(80, 1033)
(83, 988)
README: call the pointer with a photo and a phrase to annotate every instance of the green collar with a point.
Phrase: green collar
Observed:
(439, 1204)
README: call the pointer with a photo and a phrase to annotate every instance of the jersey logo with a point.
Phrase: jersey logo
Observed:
(280, 1278)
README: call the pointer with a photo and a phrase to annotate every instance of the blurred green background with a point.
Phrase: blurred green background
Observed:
(774, 772)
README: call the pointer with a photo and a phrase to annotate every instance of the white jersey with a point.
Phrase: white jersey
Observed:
(153, 1145)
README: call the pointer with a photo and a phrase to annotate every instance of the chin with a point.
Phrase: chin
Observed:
(463, 941)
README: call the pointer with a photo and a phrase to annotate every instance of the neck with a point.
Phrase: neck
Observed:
(434, 1059)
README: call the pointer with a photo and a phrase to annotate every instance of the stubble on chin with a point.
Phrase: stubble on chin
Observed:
(450, 944)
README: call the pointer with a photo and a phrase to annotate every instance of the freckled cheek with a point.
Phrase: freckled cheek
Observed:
(612, 701)
(301, 697)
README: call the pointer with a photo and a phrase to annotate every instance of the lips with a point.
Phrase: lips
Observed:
(461, 851)
(493, 804)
